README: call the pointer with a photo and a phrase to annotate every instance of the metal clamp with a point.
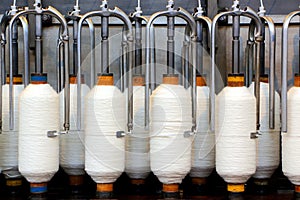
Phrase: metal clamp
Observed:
(254, 135)
(54, 134)
(188, 134)
(121, 134)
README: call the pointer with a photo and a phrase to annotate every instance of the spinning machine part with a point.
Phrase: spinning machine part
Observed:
(235, 147)
(289, 113)
(104, 152)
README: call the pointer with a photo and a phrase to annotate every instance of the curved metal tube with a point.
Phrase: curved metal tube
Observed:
(250, 54)
(272, 57)
(247, 12)
(180, 12)
(284, 69)
(64, 36)
(272, 48)
(118, 13)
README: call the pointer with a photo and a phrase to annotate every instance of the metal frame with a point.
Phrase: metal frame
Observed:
(284, 68)
(272, 53)
(236, 12)
(105, 13)
(4, 24)
(170, 13)
(64, 37)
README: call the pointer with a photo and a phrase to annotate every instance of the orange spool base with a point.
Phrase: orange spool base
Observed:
(235, 80)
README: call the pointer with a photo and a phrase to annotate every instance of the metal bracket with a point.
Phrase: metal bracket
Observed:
(53, 134)
(254, 135)
(188, 134)
(121, 134)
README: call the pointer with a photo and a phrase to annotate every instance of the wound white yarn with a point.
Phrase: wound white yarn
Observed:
(268, 153)
(137, 145)
(39, 113)
(9, 138)
(105, 114)
(72, 144)
(291, 139)
(235, 120)
(203, 150)
(171, 115)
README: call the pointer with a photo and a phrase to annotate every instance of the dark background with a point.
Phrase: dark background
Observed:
(281, 7)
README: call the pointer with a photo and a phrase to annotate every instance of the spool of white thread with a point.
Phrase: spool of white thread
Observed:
(291, 139)
(203, 150)
(39, 113)
(104, 116)
(9, 138)
(268, 153)
(72, 144)
(170, 152)
(137, 145)
(235, 121)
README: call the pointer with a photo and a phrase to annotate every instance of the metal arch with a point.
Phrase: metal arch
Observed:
(181, 13)
(64, 36)
(284, 69)
(247, 12)
(118, 13)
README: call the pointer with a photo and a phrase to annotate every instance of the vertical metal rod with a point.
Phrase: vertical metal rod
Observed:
(104, 45)
(199, 47)
(26, 50)
(11, 89)
(138, 46)
(147, 78)
(38, 43)
(153, 60)
(75, 57)
(1, 78)
(194, 87)
(130, 85)
(15, 49)
(171, 46)
(67, 86)
(93, 44)
(257, 83)
(262, 51)
(3, 62)
(236, 45)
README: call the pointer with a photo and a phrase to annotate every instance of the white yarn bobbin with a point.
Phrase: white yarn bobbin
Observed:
(268, 153)
(104, 116)
(235, 121)
(203, 150)
(9, 138)
(137, 145)
(39, 113)
(170, 152)
(72, 144)
(291, 139)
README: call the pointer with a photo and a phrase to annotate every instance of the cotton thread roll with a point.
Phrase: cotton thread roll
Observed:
(39, 113)
(291, 139)
(203, 151)
(9, 138)
(268, 155)
(235, 121)
(72, 144)
(104, 116)
(170, 152)
(137, 145)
